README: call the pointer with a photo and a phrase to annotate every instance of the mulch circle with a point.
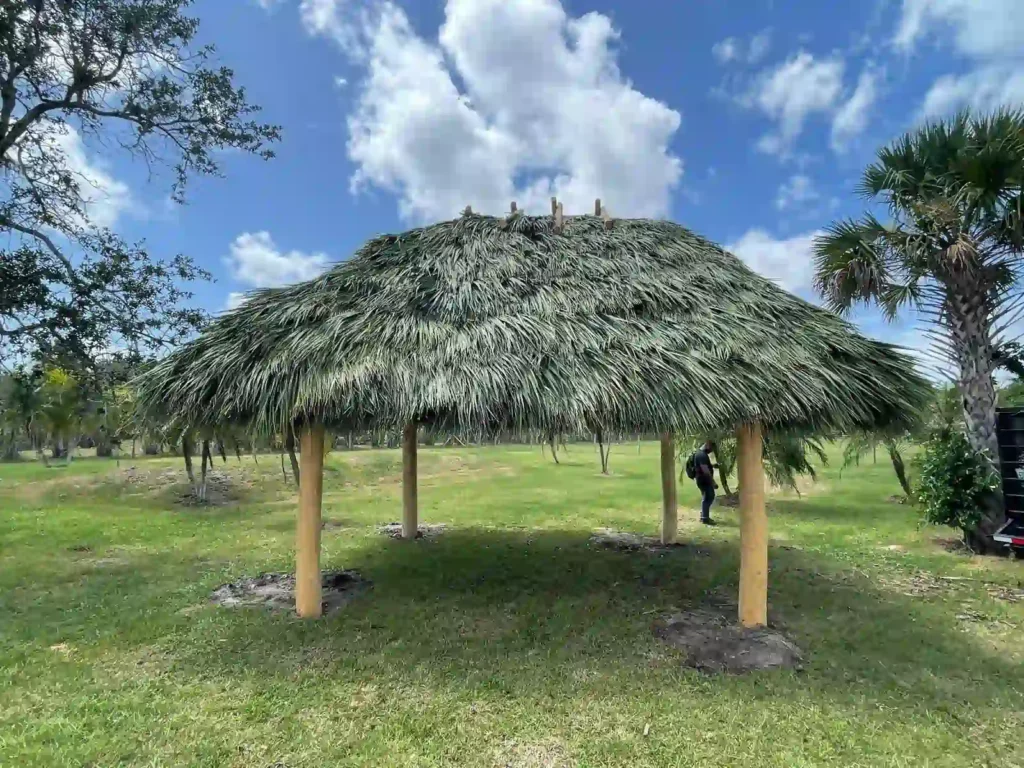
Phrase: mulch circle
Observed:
(623, 541)
(277, 591)
(425, 531)
(714, 642)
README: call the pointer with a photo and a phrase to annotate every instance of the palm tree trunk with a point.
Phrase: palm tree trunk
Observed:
(970, 329)
(599, 439)
(723, 480)
(290, 445)
(207, 459)
(186, 452)
(900, 468)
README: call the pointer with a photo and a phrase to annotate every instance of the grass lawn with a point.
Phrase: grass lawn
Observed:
(507, 641)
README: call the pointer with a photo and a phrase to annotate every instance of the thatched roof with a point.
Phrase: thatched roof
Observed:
(512, 322)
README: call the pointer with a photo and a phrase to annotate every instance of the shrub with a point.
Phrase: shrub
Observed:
(954, 481)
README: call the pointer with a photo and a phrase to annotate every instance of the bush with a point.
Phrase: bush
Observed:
(954, 481)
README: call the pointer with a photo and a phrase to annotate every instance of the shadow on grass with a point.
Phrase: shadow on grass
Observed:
(536, 605)
(541, 610)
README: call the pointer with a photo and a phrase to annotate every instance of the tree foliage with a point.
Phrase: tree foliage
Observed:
(954, 482)
(129, 74)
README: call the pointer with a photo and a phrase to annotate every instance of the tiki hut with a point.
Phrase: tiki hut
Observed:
(536, 322)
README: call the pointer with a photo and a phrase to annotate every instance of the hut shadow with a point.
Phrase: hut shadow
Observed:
(483, 604)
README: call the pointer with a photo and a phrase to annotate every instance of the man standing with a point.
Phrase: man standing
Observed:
(704, 475)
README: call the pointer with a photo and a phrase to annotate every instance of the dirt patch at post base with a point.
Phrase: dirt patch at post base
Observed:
(714, 643)
(277, 591)
(394, 530)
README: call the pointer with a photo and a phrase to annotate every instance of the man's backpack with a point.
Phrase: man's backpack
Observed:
(691, 466)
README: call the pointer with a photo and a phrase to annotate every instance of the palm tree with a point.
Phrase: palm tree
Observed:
(61, 410)
(894, 442)
(953, 249)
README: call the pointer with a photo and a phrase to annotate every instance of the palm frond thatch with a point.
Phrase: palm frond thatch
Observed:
(487, 322)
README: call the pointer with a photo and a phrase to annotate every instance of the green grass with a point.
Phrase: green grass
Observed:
(508, 641)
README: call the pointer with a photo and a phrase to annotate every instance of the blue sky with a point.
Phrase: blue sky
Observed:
(745, 120)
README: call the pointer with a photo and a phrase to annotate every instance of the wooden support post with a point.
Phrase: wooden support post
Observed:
(669, 504)
(753, 528)
(554, 205)
(410, 513)
(559, 218)
(597, 207)
(307, 539)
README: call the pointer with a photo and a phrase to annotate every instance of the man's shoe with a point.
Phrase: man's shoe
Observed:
(707, 521)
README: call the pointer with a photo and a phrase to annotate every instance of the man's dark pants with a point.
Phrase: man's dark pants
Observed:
(707, 491)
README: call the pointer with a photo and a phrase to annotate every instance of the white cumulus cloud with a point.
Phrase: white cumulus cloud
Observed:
(516, 101)
(795, 191)
(852, 116)
(792, 92)
(734, 50)
(255, 261)
(983, 89)
(789, 262)
(104, 197)
(979, 28)
(990, 33)
(726, 50)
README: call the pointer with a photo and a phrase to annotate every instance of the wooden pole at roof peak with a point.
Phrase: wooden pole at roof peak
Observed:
(307, 534)
(753, 528)
(410, 511)
(669, 503)
(554, 205)
(597, 207)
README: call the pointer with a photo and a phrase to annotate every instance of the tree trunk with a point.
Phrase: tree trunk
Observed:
(554, 447)
(70, 450)
(186, 452)
(11, 448)
(207, 459)
(222, 451)
(289, 444)
(599, 438)
(723, 480)
(900, 468)
(970, 328)
(133, 449)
